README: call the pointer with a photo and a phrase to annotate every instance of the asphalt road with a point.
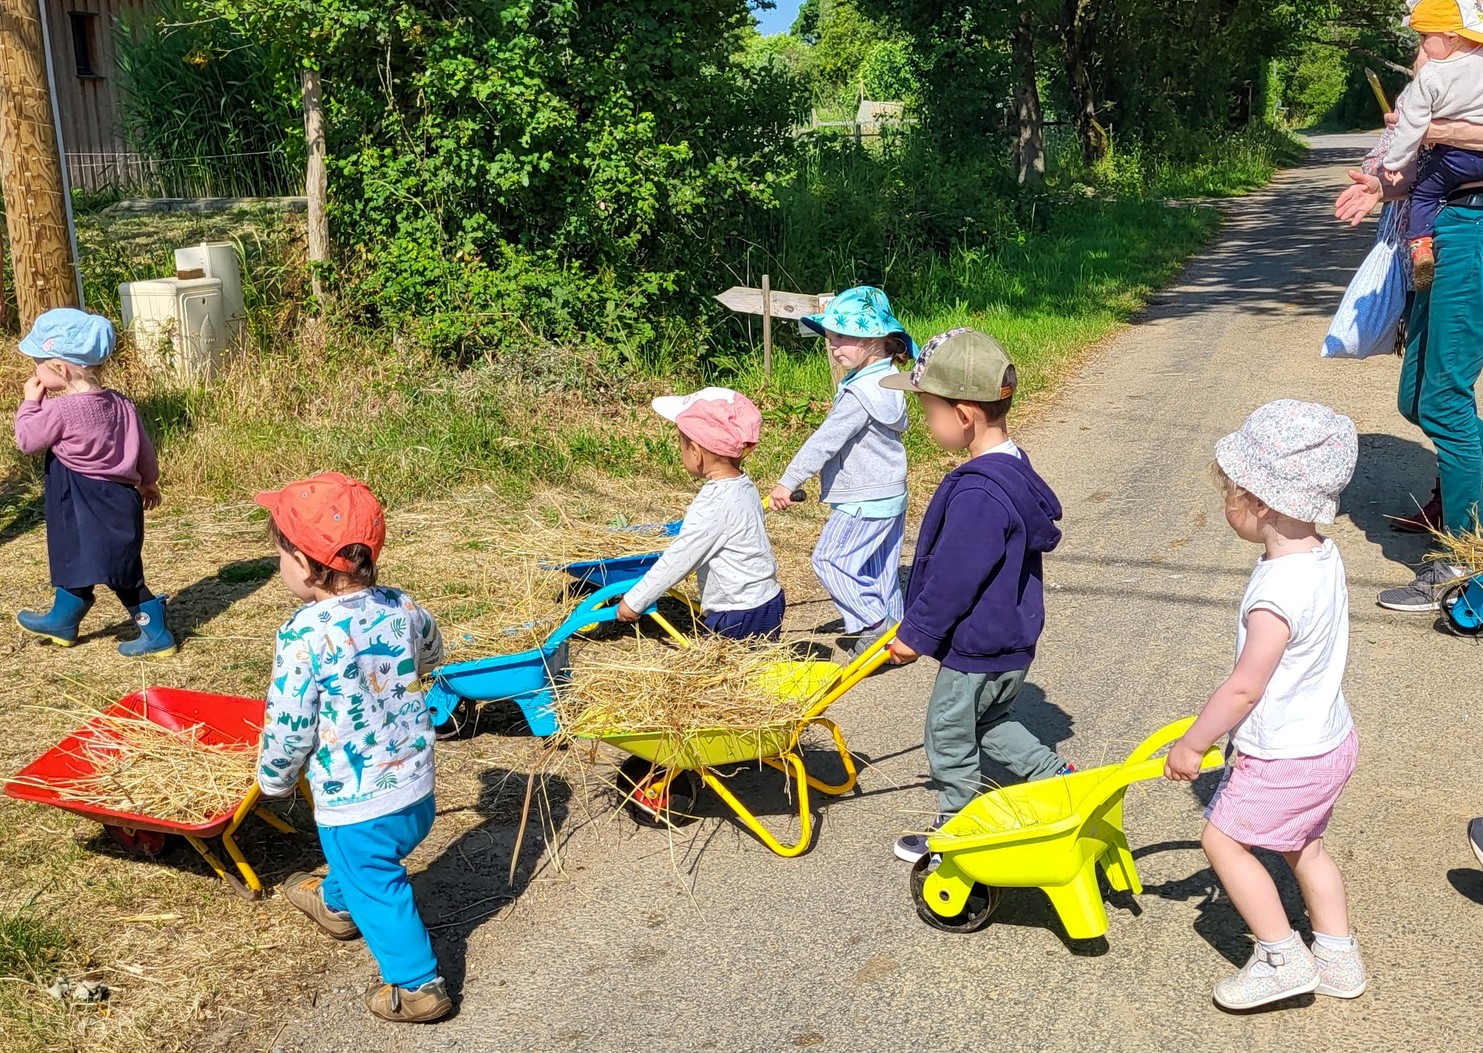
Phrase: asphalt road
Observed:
(709, 942)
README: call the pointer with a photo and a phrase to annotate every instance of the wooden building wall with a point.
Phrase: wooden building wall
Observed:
(86, 78)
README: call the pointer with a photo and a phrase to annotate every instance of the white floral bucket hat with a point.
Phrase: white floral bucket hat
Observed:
(1295, 457)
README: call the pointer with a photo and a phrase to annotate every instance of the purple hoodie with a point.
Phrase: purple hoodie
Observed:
(976, 601)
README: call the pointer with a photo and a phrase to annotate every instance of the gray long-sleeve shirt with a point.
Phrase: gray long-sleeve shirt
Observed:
(723, 539)
(857, 452)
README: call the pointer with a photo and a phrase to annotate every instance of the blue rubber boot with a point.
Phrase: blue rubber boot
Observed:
(155, 639)
(59, 625)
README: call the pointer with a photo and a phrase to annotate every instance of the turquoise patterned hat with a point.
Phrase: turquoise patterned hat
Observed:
(861, 311)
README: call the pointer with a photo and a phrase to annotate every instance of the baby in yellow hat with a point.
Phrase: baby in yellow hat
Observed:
(1449, 83)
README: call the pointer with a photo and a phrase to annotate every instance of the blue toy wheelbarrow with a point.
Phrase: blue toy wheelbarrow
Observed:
(1462, 605)
(625, 570)
(599, 573)
(527, 678)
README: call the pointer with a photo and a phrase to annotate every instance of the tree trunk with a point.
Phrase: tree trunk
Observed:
(37, 213)
(315, 181)
(1076, 28)
(1029, 143)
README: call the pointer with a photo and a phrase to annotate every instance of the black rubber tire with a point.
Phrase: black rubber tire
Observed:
(146, 844)
(684, 790)
(983, 900)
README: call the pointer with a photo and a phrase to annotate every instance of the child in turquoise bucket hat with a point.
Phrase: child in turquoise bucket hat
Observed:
(859, 458)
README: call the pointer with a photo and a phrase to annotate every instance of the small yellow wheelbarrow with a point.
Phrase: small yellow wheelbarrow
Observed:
(664, 777)
(1050, 834)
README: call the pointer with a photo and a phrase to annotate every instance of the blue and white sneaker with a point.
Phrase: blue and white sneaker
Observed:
(911, 847)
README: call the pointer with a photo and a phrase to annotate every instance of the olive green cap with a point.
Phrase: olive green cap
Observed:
(964, 365)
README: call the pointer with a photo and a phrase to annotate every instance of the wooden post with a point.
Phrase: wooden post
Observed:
(315, 179)
(38, 214)
(766, 326)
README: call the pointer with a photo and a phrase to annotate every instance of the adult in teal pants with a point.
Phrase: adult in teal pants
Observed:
(1444, 356)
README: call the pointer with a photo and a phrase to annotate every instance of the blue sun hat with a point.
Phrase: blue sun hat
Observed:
(862, 311)
(75, 337)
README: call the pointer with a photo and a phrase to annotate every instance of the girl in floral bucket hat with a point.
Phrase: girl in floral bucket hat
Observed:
(859, 458)
(1292, 741)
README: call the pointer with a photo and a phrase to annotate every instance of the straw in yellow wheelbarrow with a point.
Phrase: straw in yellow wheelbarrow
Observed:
(664, 776)
(1050, 834)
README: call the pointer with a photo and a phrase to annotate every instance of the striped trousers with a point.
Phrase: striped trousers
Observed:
(858, 561)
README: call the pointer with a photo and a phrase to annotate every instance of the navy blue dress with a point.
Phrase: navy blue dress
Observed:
(94, 530)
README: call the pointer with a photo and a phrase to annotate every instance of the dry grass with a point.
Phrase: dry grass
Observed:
(714, 685)
(1462, 550)
(211, 968)
(135, 765)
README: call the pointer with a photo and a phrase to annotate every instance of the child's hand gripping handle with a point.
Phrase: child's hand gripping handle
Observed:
(594, 610)
(797, 497)
(1142, 764)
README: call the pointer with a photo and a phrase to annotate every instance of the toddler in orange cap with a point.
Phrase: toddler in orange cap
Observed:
(723, 538)
(346, 711)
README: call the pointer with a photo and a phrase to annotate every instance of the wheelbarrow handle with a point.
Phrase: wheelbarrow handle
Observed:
(1165, 736)
(1153, 768)
(592, 611)
(856, 671)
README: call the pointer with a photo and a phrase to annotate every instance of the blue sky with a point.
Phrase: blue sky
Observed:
(779, 19)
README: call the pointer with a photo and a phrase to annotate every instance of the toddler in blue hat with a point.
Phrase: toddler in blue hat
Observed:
(101, 474)
(859, 458)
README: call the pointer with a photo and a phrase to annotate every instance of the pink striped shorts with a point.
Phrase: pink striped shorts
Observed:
(1281, 805)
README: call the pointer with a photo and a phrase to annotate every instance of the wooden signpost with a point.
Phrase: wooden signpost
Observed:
(771, 303)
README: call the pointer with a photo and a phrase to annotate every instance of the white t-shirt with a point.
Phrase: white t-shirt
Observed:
(724, 541)
(1303, 712)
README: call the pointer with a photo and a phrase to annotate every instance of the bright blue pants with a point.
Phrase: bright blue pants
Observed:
(367, 879)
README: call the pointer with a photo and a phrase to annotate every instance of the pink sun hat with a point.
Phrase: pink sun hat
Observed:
(723, 421)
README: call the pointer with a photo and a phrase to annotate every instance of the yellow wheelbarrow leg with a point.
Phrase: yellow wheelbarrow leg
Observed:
(1079, 904)
(669, 629)
(228, 839)
(845, 757)
(1117, 864)
(805, 820)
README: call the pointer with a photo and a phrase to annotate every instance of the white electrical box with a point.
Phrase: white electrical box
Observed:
(178, 324)
(216, 259)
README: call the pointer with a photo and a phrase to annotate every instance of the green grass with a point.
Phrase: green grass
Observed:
(33, 950)
(1048, 274)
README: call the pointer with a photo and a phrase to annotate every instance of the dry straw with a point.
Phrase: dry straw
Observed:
(1463, 550)
(714, 685)
(145, 769)
(574, 540)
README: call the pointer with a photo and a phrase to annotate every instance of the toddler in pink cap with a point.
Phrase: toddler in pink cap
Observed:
(723, 538)
(1292, 740)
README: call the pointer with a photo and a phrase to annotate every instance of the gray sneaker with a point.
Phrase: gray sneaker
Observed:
(1425, 593)
(866, 642)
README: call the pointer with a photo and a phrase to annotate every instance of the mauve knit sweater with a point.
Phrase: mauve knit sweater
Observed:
(95, 433)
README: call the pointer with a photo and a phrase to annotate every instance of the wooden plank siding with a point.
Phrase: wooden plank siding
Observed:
(97, 155)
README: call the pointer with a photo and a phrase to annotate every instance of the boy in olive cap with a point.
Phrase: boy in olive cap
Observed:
(976, 598)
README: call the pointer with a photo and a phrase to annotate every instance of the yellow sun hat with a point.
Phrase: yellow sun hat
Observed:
(1448, 16)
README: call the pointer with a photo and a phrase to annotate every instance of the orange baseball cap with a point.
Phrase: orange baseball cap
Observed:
(326, 512)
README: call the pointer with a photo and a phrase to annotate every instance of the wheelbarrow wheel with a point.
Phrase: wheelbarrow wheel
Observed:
(1462, 606)
(674, 807)
(149, 844)
(977, 910)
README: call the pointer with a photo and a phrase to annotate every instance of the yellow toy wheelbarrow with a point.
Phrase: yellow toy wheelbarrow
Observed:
(665, 775)
(1050, 834)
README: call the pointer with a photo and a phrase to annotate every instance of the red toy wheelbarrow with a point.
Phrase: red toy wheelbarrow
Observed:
(221, 720)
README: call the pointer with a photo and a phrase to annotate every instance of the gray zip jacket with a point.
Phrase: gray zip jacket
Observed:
(857, 452)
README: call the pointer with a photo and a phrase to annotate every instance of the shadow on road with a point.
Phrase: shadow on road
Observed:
(1468, 881)
(1394, 477)
(1275, 269)
(467, 885)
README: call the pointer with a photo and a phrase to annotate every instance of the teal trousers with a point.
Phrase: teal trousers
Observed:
(1444, 355)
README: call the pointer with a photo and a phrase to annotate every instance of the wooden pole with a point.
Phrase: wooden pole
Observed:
(766, 326)
(315, 179)
(38, 213)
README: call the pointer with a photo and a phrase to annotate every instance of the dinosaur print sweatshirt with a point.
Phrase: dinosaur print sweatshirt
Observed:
(345, 706)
